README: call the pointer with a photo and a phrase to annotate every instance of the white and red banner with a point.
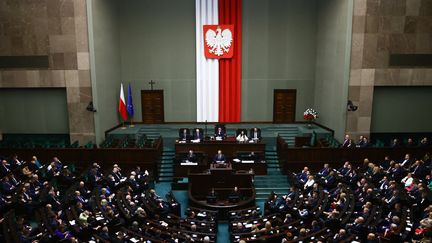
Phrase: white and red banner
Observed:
(218, 60)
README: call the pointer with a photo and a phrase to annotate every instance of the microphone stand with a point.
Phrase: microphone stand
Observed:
(205, 125)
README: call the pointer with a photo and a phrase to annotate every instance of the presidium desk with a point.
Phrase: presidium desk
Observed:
(230, 148)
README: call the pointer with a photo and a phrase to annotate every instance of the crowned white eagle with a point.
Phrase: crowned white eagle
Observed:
(219, 41)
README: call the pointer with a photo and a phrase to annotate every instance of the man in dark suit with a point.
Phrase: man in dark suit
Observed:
(365, 143)
(255, 134)
(184, 135)
(346, 141)
(7, 187)
(198, 135)
(212, 196)
(395, 143)
(324, 171)
(360, 142)
(14, 161)
(410, 143)
(4, 168)
(419, 170)
(234, 195)
(406, 163)
(219, 157)
(220, 134)
(191, 156)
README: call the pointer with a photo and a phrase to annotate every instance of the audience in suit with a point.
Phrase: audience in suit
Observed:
(346, 141)
(352, 203)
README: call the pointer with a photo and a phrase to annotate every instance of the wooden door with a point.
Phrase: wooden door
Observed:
(284, 105)
(152, 104)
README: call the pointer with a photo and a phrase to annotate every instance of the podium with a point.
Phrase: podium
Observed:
(221, 169)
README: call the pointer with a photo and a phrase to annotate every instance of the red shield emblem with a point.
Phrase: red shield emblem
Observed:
(218, 41)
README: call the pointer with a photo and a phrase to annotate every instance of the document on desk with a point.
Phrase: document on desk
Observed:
(248, 161)
(195, 141)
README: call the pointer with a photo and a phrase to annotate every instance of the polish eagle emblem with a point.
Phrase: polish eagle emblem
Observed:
(218, 42)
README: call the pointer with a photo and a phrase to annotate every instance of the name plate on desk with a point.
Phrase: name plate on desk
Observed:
(188, 163)
(248, 161)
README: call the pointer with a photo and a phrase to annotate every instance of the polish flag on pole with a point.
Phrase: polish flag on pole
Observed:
(122, 105)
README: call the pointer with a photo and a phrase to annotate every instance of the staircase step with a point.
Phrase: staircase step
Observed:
(166, 174)
(257, 188)
(270, 177)
(270, 152)
(272, 161)
(166, 170)
(271, 155)
(273, 167)
(164, 164)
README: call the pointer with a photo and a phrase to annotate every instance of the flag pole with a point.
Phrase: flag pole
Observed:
(123, 126)
(131, 123)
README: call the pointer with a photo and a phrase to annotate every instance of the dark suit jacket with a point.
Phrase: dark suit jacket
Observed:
(221, 134)
(198, 136)
(183, 136)
(252, 134)
(191, 157)
(219, 159)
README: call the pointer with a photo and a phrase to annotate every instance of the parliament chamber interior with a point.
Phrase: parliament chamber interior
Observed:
(215, 121)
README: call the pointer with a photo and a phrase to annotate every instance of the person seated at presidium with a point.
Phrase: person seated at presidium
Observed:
(242, 137)
(219, 157)
(255, 134)
(220, 134)
(198, 135)
(184, 135)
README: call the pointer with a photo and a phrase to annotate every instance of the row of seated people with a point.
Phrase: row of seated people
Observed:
(94, 205)
(363, 142)
(376, 202)
(202, 158)
(220, 133)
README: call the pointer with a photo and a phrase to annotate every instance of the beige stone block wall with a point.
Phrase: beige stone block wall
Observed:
(57, 28)
(381, 28)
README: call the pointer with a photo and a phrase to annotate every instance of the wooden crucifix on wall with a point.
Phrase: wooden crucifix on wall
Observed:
(151, 84)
